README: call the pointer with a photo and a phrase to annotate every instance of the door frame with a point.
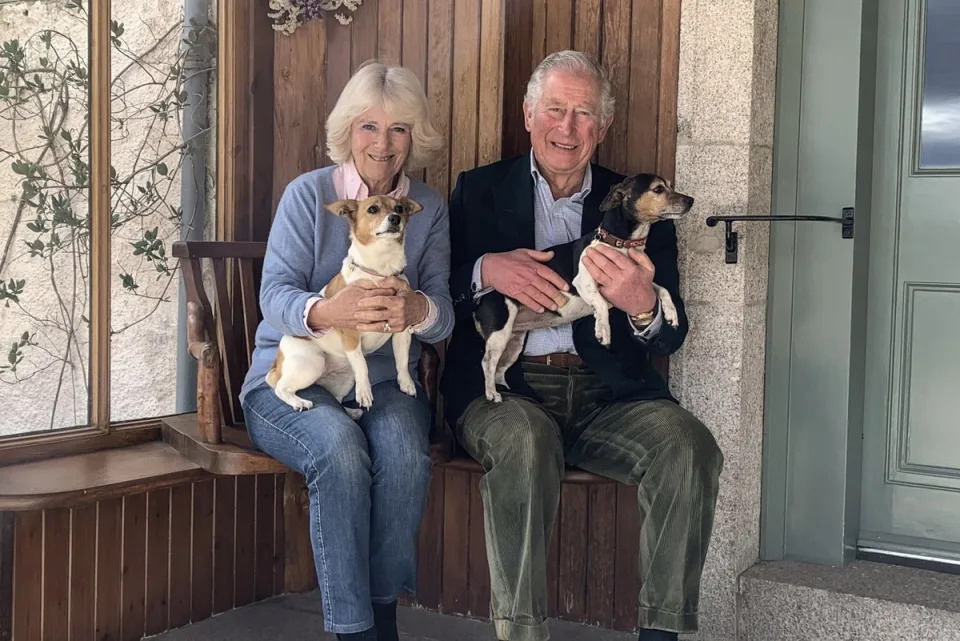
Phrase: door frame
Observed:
(813, 422)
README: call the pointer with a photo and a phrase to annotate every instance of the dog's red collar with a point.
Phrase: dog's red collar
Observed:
(615, 241)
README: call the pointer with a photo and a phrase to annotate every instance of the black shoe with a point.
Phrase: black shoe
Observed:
(656, 635)
(385, 620)
(366, 635)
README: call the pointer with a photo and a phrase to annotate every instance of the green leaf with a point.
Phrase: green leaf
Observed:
(162, 169)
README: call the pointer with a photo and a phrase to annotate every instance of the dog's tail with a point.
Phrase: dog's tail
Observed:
(274, 374)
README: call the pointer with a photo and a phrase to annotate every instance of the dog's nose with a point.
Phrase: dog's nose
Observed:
(393, 219)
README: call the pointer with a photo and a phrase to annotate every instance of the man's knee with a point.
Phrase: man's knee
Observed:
(691, 449)
(516, 432)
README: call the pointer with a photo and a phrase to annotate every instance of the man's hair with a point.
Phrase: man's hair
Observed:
(399, 92)
(575, 62)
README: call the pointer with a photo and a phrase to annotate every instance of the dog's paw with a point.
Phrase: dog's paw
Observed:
(602, 332)
(494, 396)
(364, 396)
(407, 386)
(300, 404)
(353, 412)
(670, 315)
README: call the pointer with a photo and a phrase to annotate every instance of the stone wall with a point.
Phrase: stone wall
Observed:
(728, 52)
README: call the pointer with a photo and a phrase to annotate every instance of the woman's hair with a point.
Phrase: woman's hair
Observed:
(398, 92)
(576, 62)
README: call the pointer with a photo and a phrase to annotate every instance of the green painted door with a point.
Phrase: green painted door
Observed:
(911, 458)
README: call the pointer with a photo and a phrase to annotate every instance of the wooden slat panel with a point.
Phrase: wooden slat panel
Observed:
(300, 572)
(7, 529)
(223, 542)
(601, 553)
(669, 83)
(109, 568)
(439, 65)
(390, 32)
(587, 26)
(265, 511)
(456, 540)
(248, 300)
(233, 368)
(644, 81)
(201, 601)
(156, 618)
(573, 546)
(181, 533)
(134, 566)
(338, 70)
(559, 25)
(491, 80)
(301, 98)
(538, 40)
(626, 580)
(27, 576)
(430, 558)
(262, 122)
(56, 574)
(83, 572)
(616, 60)
(414, 49)
(363, 40)
(466, 70)
(245, 533)
(279, 540)
(478, 590)
(518, 26)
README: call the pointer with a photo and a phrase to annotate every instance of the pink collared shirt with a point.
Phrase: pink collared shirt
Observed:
(349, 185)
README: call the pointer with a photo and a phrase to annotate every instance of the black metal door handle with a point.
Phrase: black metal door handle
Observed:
(846, 221)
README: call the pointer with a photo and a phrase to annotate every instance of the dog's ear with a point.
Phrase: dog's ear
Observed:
(408, 206)
(345, 208)
(615, 198)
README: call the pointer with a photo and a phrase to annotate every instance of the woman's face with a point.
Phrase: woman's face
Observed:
(379, 146)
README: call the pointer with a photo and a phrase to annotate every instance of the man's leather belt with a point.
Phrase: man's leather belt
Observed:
(560, 359)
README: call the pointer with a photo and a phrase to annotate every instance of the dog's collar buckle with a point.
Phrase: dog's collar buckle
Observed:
(620, 243)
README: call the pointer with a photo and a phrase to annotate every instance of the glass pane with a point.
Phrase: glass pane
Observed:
(940, 119)
(44, 250)
(163, 155)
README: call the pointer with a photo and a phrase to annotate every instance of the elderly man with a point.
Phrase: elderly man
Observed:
(558, 409)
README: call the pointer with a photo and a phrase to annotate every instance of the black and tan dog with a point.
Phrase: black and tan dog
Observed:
(630, 208)
(336, 360)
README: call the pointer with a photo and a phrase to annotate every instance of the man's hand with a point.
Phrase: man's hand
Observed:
(342, 310)
(398, 311)
(520, 274)
(626, 282)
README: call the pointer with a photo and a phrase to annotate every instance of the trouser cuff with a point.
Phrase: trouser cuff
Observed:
(511, 631)
(680, 622)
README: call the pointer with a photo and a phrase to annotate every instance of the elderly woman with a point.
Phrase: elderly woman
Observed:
(367, 479)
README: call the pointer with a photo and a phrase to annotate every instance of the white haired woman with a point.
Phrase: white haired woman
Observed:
(367, 479)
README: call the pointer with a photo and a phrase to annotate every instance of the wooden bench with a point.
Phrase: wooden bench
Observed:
(221, 339)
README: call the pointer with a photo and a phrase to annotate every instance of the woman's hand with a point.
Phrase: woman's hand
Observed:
(342, 309)
(392, 313)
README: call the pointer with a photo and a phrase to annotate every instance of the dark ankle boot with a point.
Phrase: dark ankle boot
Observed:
(385, 619)
(657, 635)
(366, 635)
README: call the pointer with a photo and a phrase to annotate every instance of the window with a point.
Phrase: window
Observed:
(940, 113)
(61, 308)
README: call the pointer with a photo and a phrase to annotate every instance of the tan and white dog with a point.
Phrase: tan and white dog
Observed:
(336, 361)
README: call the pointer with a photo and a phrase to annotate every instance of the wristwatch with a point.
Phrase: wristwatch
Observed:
(645, 318)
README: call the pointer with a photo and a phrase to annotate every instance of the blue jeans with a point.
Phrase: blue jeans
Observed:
(368, 483)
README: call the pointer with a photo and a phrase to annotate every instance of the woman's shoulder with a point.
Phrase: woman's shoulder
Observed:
(312, 181)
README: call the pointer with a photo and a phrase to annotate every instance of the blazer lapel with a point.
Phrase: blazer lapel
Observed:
(591, 206)
(513, 200)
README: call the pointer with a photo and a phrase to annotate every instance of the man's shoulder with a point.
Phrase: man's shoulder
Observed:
(605, 177)
(493, 172)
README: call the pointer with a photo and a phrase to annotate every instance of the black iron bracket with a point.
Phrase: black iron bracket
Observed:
(731, 240)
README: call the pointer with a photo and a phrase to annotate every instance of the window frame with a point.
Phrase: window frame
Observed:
(244, 49)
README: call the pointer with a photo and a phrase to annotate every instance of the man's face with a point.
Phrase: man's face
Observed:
(565, 125)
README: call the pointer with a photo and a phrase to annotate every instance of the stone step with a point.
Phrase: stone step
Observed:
(788, 601)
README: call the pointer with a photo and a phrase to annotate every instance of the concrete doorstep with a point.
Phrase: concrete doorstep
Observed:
(299, 617)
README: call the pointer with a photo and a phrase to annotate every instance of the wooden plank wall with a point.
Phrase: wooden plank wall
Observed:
(123, 568)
